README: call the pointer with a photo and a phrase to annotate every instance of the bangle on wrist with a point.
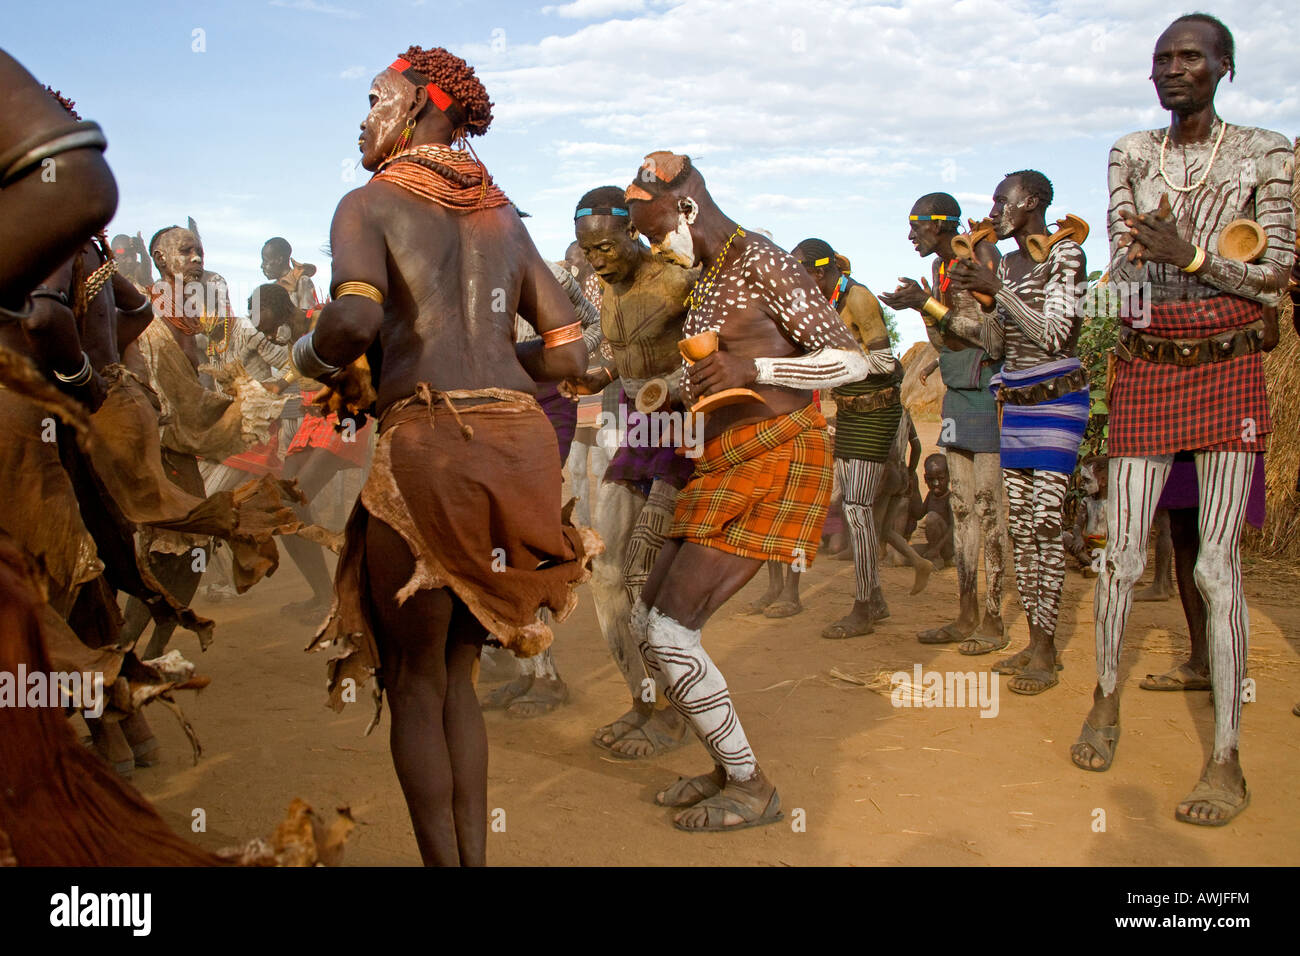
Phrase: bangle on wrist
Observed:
(45, 292)
(307, 362)
(1198, 260)
(79, 377)
(935, 309)
(140, 309)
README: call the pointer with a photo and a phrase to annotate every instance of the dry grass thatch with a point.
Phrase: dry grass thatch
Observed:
(1281, 533)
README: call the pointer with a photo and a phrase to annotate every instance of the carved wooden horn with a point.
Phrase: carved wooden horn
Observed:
(1071, 227)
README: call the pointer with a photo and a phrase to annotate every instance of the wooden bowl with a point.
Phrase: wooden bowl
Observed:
(698, 346)
(1243, 240)
(652, 396)
(728, 396)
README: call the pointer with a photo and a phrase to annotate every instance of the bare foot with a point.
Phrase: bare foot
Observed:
(1158, 591)
(922, 578)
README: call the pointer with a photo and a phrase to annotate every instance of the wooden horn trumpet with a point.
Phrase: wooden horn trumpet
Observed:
(700, 346)
(1243, 240)
(1071, 227)
(963, 247)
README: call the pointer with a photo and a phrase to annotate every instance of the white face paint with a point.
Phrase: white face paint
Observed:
(678, 247)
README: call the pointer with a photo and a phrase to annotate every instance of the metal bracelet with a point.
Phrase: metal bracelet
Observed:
(29, 154)
(307, 362)
(79, 377)
(19, 315)
(45, 292)
(140, 309)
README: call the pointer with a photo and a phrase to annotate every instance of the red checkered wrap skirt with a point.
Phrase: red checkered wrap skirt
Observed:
(761, 490)
(1164, 409)
(317, 431)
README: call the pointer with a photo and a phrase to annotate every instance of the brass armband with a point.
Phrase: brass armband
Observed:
(935, 309)
(562, 336)
(359, 288)
(1198, 260)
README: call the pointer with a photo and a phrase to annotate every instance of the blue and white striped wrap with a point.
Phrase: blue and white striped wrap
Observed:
(1045, 436)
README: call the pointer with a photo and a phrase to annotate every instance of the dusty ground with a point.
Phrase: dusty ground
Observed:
(876, 784)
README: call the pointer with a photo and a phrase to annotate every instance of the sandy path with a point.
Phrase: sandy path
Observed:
(876, 784)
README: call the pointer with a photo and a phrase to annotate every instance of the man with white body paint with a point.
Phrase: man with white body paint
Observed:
(762, 484)
(1206, 395)
(641, 312)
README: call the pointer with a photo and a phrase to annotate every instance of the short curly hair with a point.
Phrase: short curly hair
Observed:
(1034, 183)
(456, 78)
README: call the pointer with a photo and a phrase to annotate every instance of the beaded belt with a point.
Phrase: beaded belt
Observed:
(1040, 392)
(867, 403)
(1188, 352)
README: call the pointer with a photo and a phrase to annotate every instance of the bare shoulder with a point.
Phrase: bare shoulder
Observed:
(862, 300)
(677, 280)
(1138, 142)
(763, 257)
(1259, 140)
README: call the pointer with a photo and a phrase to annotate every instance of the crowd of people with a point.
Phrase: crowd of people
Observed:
(155, 434)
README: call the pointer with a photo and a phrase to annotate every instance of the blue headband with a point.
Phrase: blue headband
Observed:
(601, 211)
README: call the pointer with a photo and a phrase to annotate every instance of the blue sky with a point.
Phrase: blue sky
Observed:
(807, 118)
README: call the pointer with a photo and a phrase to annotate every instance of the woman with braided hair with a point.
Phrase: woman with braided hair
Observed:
(458, 532)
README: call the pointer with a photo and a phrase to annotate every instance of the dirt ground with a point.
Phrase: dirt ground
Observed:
(876, 784)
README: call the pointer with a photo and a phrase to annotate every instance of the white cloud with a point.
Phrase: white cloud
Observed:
(311, 6)
(353, 73)
(594, 9)
(828, 117)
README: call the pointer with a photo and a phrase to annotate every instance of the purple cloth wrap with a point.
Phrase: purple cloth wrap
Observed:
(563, 415)
(641, 466)
(1182, 490)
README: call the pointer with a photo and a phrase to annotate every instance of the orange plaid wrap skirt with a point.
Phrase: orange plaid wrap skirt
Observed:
(761, 490)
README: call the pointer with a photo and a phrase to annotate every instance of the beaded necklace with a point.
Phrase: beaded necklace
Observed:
(705, 282)
(164, 295)
(215, 349)
(1205, 175)
(839, 287)
(416, 170)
